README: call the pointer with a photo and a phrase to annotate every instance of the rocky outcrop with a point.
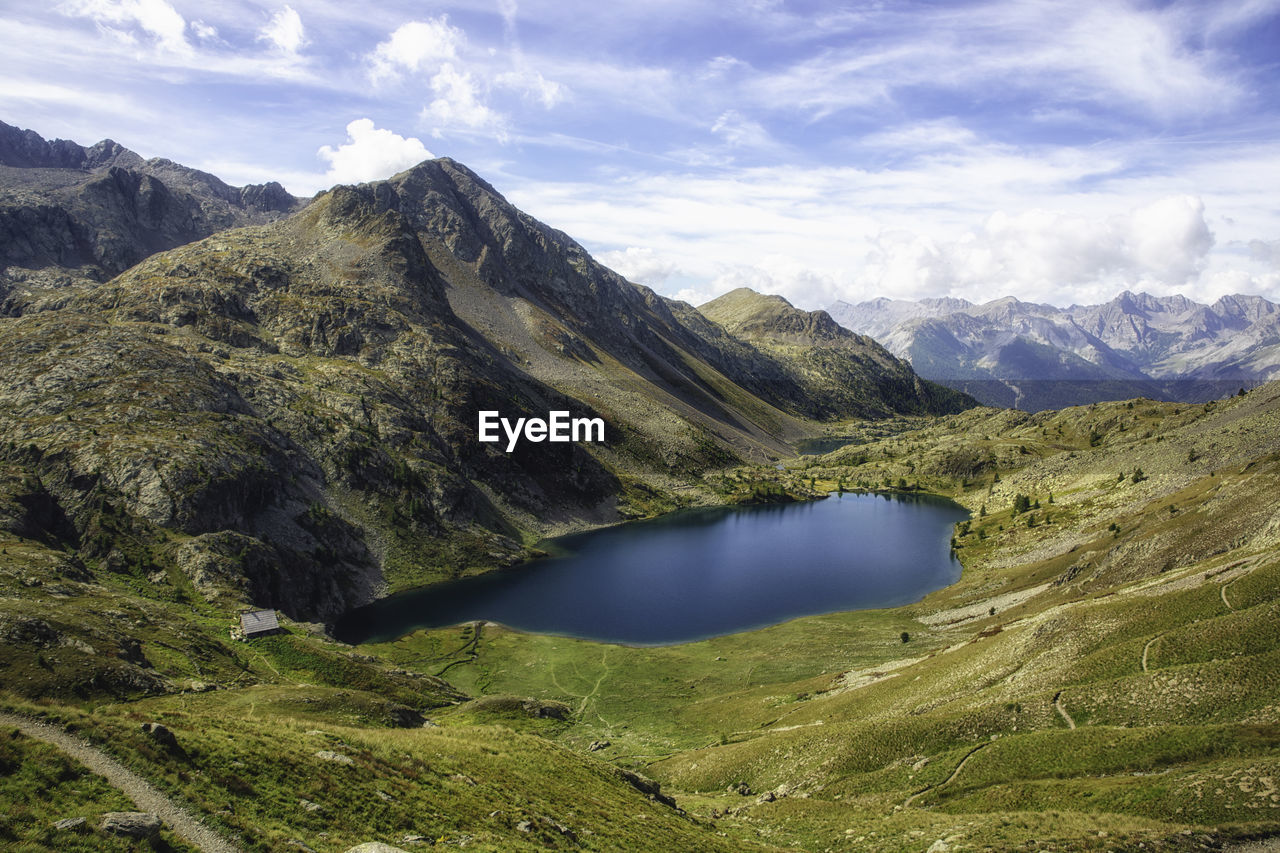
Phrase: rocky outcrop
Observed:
(70, 213)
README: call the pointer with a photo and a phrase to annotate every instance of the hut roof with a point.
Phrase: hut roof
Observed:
(258, 622)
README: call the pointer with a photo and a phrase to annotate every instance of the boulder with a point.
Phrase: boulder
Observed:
(131, 824)
(70, 824)
(161, 735)
(375, 847)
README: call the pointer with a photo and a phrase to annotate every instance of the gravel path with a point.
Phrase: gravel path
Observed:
(1267, 845)
(145, 795)
(1057, 703)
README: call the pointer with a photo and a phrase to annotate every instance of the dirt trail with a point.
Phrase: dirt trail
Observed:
(145, 795)
(1146, 649)
(954, 773)
(1057, 703)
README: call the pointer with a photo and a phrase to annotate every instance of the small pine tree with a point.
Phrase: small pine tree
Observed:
(905, 637)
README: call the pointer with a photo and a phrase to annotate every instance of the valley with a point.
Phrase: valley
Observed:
(280, 412)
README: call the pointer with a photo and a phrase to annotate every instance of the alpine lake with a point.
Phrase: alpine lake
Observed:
(698, 573)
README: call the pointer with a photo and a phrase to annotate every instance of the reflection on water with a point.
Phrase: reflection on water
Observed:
(700, 573)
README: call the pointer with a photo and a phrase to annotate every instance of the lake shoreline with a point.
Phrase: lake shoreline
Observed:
(697, 573)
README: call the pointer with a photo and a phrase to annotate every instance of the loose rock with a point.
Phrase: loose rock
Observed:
(131, 824)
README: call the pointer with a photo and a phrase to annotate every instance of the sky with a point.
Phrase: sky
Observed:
(1059, 152)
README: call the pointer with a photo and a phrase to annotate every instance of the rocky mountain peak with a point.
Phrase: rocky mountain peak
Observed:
(28, 149)
(755, 315)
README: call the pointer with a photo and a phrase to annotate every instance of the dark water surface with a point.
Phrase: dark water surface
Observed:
(699, 573)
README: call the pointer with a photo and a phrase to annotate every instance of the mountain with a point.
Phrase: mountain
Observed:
(842, 371)
(70, 213)
(287, 413)
(1011, 353)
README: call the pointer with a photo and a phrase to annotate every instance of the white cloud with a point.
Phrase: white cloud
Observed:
(1266, 251)
(533, 86)
(1053, 255)
(370, 154)
(285, 31)
(416, 46)
(457, 105)
(203, 31)
(923, 135)
(1169, 239)
(740, 132)
(1096, 52)
(717, 68)
(639, 264)
(156, 18)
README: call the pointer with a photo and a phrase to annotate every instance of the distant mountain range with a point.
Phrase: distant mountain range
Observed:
(1032, 356)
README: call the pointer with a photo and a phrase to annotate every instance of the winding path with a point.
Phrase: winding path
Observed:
(146, 796)
(954, 773)
(1057, 703)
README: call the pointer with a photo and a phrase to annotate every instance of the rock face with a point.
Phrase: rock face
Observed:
(131, 824)
(374, 847)
(70, 213)
(1012, 353)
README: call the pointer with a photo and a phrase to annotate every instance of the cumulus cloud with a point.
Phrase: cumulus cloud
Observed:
(1160, 245)
(370, 154)
(784, 276)
(285, 31)
(639, 265)
(156, 18)
(457, 104)
(415, 46)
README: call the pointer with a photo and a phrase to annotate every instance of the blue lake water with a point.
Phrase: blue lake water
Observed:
(699, 573)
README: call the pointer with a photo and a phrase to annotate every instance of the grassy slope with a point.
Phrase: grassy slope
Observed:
(862, 741)
(864, 733)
